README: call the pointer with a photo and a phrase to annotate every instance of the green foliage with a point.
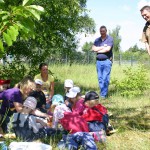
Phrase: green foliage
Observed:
(17, 19)
(87, 46)
(117, 39)
(14, 71)
(134, 83)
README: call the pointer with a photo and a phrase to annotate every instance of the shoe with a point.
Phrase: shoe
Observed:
(102, 97)
(110, 130)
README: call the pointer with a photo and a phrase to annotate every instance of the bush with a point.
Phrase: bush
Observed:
(16, 70)
(134, 83)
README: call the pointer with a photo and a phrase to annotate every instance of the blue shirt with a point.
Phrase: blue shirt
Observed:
(107, 42)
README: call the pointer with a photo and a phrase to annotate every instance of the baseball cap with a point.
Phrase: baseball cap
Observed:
(30, 102)
(73, 92)
(68, 83)
(57, 99)
(38, 81)
(4, 82)
(91, 96)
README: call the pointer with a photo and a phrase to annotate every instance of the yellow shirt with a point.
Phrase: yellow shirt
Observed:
(46, 84)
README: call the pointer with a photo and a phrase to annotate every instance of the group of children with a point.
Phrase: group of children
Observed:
(73, 113)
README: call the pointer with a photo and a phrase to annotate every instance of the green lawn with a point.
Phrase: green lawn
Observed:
(131, 117)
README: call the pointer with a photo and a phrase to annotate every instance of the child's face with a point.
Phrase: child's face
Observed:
(26, 110)
(73, 100)
(92, 103)
(38, 87)
(3, 87)
(67, 89)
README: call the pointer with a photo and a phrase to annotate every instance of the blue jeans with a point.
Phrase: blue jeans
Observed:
(103, 72)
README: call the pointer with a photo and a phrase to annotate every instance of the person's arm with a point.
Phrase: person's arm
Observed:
(147, 47)
(40, 114)
(38, 120)
(18, 106)
(51, 90)
(104, 49)
(55, 119)
(97, 48)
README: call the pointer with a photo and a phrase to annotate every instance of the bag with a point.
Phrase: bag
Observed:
(96, 126)
(105, 119)
(24, 133)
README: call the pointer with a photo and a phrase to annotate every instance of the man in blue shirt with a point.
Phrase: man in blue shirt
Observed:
(103, 47)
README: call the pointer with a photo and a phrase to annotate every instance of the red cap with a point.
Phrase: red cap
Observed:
(4, 82)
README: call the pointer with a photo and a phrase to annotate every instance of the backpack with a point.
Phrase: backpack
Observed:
(24, 133)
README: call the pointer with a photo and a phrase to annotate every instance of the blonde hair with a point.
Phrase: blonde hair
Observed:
(26, 83)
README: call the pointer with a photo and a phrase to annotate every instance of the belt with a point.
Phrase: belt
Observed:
(101, 59)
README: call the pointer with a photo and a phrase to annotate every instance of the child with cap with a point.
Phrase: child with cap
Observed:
(76, 100)
(71, 122)
(58, 108)
(39, 95)
(27, 126)
(68, 84)
(95, 112)
(4, 85)
(96, 116)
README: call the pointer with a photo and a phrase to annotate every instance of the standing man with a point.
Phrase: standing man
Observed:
(145, 12)
(103, 47)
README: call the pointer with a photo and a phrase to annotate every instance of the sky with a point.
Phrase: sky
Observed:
(113, 13)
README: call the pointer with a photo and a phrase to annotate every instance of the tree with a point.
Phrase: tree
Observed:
(117, 39)
(56, 31)
(17, 20)
(87, 46)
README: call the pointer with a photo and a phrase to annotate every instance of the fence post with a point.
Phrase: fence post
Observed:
(119, 59)
(131, 60)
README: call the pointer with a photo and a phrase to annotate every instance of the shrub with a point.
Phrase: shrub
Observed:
(134, 83)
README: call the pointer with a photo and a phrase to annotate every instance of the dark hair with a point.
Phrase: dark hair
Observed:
(103, 27)
(42, 64)
(145, 8)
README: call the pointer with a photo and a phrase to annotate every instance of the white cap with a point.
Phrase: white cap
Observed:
(68, 83)
(38, 81)
(30, 102)
(73, 92)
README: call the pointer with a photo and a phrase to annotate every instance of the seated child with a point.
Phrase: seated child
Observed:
(70, 121)
(4, 85)
(68, 84)
(76, 100)
(28, 127)
(95, 114)
(39, 95)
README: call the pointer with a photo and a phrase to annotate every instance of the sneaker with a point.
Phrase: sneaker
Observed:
(110, 130)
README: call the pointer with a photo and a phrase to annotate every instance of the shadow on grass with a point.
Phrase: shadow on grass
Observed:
(123, 118)
(131, 119)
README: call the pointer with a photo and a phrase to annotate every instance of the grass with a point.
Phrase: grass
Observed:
(131, 117)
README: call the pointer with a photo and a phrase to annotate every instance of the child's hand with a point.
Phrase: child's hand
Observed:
(49, 118)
